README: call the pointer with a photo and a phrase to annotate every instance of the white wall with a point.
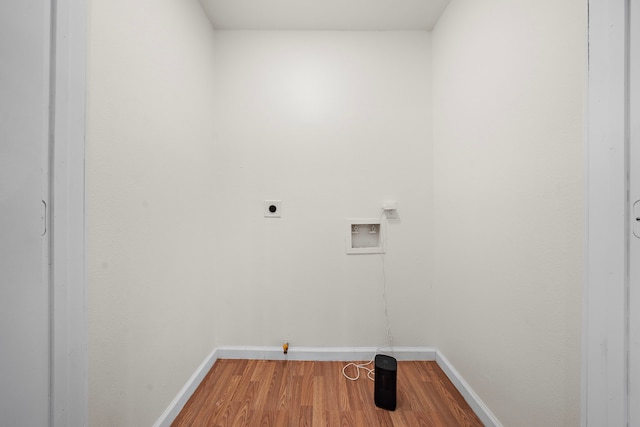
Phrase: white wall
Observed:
(333, 124)
(509, 179)
(180, 258)
(149, 205)
(183, 150)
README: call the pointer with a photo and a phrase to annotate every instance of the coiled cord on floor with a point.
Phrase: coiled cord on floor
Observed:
(359, 366)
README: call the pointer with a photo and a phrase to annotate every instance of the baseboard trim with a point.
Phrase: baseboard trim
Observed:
(478, 406)
(325, 354)
(178, 402)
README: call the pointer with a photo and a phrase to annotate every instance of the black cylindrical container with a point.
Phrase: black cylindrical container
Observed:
(386, 370)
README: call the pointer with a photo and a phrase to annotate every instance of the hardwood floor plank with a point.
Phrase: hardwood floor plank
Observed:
(356, 402)
(301, 416)
(242, 413)
(383, 418)
(315, 394)
(319, 418)
(280, 398)
(305, 374)
(205, 393)
(218, 404)
(264, 377)
(268, 418)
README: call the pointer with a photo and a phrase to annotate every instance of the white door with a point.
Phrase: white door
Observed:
(634, 220)
(24, 289)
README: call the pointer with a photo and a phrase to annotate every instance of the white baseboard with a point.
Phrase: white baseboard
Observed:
(178, 402)
(481, 410)
(325, 354)
(342, 354)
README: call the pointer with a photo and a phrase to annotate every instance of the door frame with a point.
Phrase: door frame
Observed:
(69, 373)
(604, 389)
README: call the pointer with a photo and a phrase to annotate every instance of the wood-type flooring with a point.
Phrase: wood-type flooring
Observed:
(292, 393)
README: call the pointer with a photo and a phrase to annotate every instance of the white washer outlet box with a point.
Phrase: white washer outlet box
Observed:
(365, 236)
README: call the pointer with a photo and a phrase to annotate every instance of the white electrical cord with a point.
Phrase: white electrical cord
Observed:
(358, 366)
(389, 341)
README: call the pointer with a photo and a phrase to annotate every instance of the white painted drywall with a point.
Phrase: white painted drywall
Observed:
(180, 258)
(367, 15)
(150, 205)
(509, 82)
(183, 150)
(332, 124)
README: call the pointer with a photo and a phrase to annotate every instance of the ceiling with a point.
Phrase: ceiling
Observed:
(362, 15)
